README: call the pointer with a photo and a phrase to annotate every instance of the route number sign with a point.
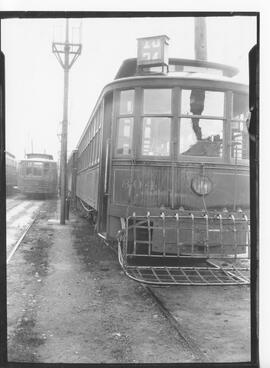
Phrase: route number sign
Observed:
(153, 50)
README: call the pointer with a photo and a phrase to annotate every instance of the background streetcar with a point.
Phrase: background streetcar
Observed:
(38, 175)
(163, 166)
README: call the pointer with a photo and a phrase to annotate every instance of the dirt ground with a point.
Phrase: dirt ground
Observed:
(69, 301)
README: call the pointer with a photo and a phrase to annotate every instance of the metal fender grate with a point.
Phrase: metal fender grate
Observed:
(212, 275)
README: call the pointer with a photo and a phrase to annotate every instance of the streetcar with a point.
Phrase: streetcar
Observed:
(37, 175)
(162, 167)
(11, 172)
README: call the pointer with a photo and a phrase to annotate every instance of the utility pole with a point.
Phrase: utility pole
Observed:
(66, 53)
(200, 38)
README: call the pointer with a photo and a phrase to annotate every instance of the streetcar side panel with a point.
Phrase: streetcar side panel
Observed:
(72, 166)
(152, 186)
(88, 157)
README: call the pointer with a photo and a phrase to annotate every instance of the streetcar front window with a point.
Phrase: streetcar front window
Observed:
(201, 102)
(37, 168)
(46, 168)
(156, 136)
(28, 168)
(124, 136)
(201, 137)
(157, 101)
(34, 168)
(201, 122)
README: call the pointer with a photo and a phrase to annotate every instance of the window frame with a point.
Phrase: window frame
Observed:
(143, 115)
(175, 117)
(236, 160)
(89, 147)
(170, 137)
(118, 117)
(224, 119)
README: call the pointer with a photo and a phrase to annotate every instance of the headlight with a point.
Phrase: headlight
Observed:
(201, 185)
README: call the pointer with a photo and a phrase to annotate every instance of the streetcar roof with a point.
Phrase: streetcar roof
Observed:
(183, 69)
(39, 156)
(187, 76)
(129, 67)
(37, 160)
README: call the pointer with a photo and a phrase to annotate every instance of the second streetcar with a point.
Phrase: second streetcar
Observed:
(37, 175)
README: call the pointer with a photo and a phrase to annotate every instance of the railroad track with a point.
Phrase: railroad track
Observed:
(13, 202)
(20, 216)
(186, 341)
(11, 206)
(183, 336)
(19, 241)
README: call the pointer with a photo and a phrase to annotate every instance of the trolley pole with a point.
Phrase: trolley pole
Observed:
(200, 39)
(73, 50)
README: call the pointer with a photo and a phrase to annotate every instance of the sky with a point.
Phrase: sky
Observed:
(34, 77)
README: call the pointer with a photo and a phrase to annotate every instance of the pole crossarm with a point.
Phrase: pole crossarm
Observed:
(74, 49)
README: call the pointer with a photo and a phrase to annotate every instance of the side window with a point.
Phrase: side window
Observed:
(88, 151)
(240, 107)
(124, 136)
(125, 123)
(126, 102)
(239, 132)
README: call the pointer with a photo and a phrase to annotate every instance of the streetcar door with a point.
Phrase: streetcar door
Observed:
(105, 166)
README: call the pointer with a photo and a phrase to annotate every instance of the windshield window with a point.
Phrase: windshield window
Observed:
(201, 137)
(156, 136)
(202, 102)
(124, 138)
(34, 168)
(157, 101)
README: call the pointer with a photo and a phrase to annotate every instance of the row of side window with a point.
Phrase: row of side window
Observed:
(89, 148)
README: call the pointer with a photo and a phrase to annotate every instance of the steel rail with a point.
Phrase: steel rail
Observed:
(186, 340)
(15, 247)
(12, 205)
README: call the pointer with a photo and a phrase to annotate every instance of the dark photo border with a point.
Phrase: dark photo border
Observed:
(254, 181)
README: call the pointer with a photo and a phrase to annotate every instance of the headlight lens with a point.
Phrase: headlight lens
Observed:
(201, 185)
